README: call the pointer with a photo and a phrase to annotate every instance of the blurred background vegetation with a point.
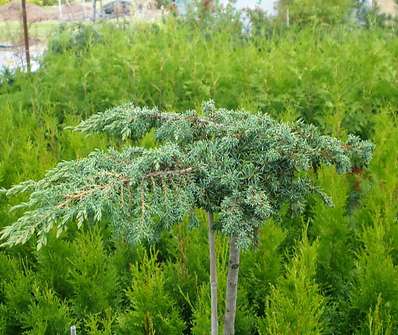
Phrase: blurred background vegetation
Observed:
(329, 271)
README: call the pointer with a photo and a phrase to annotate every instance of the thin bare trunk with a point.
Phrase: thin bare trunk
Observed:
(213, 274)
(232, 288)
(26, 35)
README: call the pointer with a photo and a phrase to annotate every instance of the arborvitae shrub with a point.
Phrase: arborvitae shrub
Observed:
(152, 309)
(77, 38)
(376, 280)
(100, 324)
(336, 249)
(18, 296)
(8, 268)
(123, 255)
(374, 289)
(46, 315)
(53, 267)
(201, 312)
(378, 199)
(188, 270)
(246, 320)
(295, 305)
(262, 265)
(313, 12)
(93, 275)
(3, 319)
(29, 150)
(331, 226)
(379, 320)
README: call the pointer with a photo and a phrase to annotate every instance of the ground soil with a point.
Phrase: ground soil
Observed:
(12, 12)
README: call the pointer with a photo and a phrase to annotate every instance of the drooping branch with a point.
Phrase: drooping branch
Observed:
(101, 183)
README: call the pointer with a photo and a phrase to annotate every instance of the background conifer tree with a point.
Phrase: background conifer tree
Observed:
(240, 168)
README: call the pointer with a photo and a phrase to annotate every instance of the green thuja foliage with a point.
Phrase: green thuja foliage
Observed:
(92, 270)
(342, 78)
(246, 320)
(304, 12)
(152, 310)
(8, 268)
(54, 267)
(375, 291)
(18, 296)
(77, 38)
(242, 166)
(201, 312)
(378, 190)
(30, 308)
(123, 254)
(3, 320)
(46, 315)
(32, 149)
(310, 71)
(187, 270)
(335, 255)
(262, 266)
(98, 324)
(295, 305)
(379, 320)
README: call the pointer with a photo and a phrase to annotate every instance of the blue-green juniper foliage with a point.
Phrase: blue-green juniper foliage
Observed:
(243, 166)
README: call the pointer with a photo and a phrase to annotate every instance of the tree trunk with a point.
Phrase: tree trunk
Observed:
(213, 274)
(232, 288)
(26, 35)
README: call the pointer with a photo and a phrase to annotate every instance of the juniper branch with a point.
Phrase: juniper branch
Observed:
(242, 165)
(100, 184)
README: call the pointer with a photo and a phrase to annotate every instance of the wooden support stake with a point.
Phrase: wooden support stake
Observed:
(26, 34)
(73, 330)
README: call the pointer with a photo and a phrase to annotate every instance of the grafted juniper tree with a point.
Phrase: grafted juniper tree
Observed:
(241, 166)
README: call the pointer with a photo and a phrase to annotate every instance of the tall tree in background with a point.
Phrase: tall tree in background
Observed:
(238, 167)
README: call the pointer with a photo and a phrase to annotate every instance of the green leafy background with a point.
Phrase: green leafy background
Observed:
(328, 271)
